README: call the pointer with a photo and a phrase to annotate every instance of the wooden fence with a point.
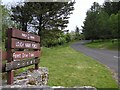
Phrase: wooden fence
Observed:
(22, 49)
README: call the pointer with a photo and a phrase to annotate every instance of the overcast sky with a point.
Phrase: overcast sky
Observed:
(79, 14)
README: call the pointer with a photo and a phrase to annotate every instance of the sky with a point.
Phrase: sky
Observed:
(79, 14)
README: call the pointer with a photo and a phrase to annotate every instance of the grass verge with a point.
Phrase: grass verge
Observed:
(106, 44)
(69, 68)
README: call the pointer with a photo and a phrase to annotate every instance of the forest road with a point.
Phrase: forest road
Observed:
(107, 57)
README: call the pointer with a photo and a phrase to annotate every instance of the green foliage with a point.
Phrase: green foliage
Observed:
(82, 37)
(113, 24)
(111, 7)
(75, 36)
(53, 38)
(61, 40)
(6, 21)
(90, 24)
(68, 37)
(77, 33)
(72, 34)
(90, 28)
(101, 22)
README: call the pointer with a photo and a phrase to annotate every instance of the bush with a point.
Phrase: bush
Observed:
(68, 37)
(61, 40)
(51, 42)
(53, 38)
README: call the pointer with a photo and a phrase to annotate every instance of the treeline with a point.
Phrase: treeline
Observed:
(102, 21)
(47, 19)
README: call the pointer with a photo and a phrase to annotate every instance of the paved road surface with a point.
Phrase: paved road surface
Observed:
(108, 58)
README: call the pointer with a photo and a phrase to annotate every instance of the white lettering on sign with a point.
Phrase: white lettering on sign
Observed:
(23, 63)
(31, 54)
(19, 44)
(28, 36)
(31, 62)
(18, 64)
(32, 37)
(24, 55)
(28, 45)
(16, 55)
(24, 35)
(34, 45)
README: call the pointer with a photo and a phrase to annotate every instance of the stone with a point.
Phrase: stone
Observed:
(32, 77)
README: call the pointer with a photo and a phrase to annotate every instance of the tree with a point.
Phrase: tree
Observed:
(68, 37)
(95, 7)
(21, 14)
(49, 15)
(102, 23)
(113, 24)
(6, 21)
(111, 7)
(90, 27)
(107, 7)
(77, 33)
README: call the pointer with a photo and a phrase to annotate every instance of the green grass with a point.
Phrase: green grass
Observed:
(106, 44)
(69, 68)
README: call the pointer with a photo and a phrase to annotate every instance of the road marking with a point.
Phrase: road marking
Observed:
(116, 57)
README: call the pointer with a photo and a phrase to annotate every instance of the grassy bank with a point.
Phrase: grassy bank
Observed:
(70, 68)
(106, 44)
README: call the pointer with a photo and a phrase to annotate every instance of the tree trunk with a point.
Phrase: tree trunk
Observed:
(25, 26)
(39, 32)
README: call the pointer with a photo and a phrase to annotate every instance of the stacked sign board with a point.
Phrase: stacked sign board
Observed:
(23, 49)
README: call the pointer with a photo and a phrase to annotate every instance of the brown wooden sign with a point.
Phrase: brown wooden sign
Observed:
(25, 54)
(24, 44)
(16, 40)
(19, 64)
(24, 35)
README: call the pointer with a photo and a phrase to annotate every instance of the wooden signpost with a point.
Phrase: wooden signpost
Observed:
(23, 49)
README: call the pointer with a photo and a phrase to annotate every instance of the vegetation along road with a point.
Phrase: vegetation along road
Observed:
(107, 57)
